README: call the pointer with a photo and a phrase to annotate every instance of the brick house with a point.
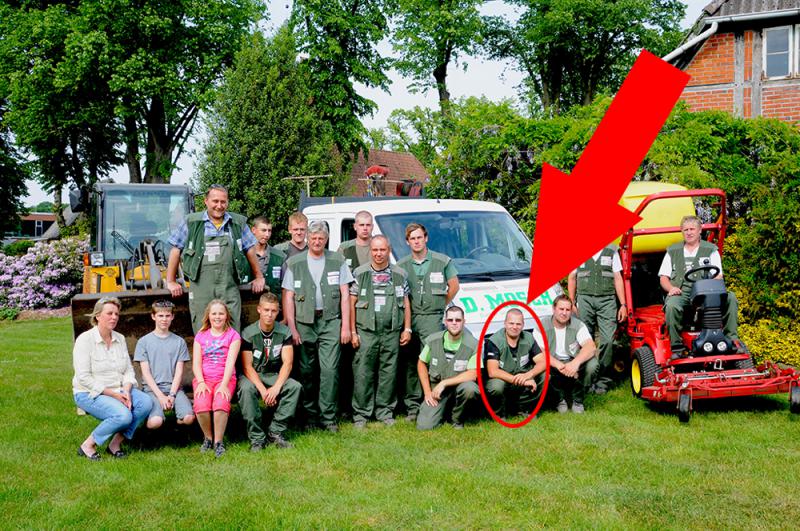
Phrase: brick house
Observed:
(744, 58)
(391, 168)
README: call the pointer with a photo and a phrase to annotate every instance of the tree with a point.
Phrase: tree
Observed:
(13, 174)
(430, 36)
(262, 129)
(570, 50)
(340, 39)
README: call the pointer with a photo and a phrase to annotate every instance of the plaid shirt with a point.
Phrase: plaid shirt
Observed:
(181, 234)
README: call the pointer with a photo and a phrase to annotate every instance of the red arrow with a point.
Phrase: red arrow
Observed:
(579, 214)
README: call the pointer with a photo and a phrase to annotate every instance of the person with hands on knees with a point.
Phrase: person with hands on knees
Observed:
(267, 357)
(216, 347)
(446, 369)
(161, 356)
(573, 359)
(515, 365)
(380, 316)
(103, 385)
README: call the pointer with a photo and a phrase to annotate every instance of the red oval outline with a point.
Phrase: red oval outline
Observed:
(478, 371)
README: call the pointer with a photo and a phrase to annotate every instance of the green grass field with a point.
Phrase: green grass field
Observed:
(621, 465)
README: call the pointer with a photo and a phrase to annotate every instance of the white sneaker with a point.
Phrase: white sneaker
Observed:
(562, 407)
(577, 407)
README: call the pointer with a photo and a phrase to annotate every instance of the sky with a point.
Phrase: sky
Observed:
(494, 79)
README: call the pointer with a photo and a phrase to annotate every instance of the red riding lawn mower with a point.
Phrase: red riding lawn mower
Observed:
(716, 366)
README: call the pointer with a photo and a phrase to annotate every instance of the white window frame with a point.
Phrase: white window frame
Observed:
(792, 49)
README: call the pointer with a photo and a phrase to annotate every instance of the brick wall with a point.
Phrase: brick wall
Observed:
(714, 62)
(707, 100)
(781, 102)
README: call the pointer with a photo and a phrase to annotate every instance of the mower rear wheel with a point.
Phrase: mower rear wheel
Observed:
(643, 370)
(794, 399)
(684, 407)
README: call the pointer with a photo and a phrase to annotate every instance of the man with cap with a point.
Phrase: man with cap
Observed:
(317, 312)
(598, 283)
(217, 252)
(515, 365)
(446, 369)
(381, 322)
(433, 280)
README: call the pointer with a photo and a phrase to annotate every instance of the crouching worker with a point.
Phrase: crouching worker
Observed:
(447, 374)
(516, 365)
(267, 357)
(161, 356)
(573, 360)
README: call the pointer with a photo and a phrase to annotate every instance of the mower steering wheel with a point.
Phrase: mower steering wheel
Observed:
(691, 275)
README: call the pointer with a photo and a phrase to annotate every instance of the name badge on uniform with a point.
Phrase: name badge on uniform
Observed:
(437, 277)
(349, 262)
(212, 251)
(380, 301)
(257, 354)
(298, 284)
(434, 361)
(524, 360)
(276, 271)
(574, 348)
(399, 292)
(363, 292)
(460, 365)
(502, 364)
(333, 278)
(239, 244)
(276, 351)
(605, 261)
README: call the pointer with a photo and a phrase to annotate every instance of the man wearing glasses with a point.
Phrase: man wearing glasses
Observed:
(446, 369)
(217, 251)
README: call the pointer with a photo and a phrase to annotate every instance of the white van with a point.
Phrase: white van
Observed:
(491, 253)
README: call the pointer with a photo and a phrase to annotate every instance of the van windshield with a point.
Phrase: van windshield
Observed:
(483, 245)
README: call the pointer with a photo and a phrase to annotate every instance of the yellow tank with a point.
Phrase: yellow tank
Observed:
(663, 213)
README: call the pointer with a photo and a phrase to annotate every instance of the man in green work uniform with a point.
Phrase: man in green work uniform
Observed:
(434, 282)
(573, 360)
(598, 283)
(357, 251)
(269, 258)
(379, 310)
(515, 365)
(446, 369)
(680, 258)
(217, 252)
(267, 357)
(298, 227)
(318, 314)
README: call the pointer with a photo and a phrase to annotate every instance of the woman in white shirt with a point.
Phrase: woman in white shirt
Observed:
(104, 383)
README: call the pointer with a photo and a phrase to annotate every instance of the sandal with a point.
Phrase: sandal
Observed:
(119, 454)
(93, 457)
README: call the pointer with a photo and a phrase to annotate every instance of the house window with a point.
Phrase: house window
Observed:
(38, 228)
(779, 51)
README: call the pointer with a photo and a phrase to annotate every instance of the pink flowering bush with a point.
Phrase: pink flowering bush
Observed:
(47, 276)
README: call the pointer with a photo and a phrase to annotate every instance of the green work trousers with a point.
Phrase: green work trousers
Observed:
(422, 326)
(459, 399)
(599, 314)
(375, 359)
(215, 281)
(673, 312)
(250, 404)
(319, 369)
(574, 389)
(508, 399)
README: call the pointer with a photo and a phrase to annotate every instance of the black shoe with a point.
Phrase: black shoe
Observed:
(411, 417)
(219, 449)
(91, 457)
(458, 426)
(256, 446)
(206, 446)
(119, 454)
(278, 440)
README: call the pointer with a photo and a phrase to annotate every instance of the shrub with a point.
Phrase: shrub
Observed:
(776, 341)
(47, 276)
(8, 314)
(18, 248)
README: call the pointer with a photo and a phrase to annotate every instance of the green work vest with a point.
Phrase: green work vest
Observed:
(348, 249)
(508, 362)
(192, 254)
(441, 368)
(305, 292)
(597, 279)
(681, 264)
(427, 295)
(272, 269)
(571, 336)
(266, 362)
(365, 303)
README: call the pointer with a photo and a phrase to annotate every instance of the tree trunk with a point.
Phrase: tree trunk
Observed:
(132, 150)
(158, 156)
(57, 207)
(440, 75)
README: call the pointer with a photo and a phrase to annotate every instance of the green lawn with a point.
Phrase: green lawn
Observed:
(622, 464)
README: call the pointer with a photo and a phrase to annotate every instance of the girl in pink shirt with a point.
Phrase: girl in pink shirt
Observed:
(216, 347)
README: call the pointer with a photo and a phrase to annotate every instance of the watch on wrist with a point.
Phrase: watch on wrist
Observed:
(407, 330)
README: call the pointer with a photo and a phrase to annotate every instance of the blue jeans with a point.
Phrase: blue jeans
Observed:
(115, 416)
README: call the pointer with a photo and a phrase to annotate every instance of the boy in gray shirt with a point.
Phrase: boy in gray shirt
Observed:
(161, 355)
